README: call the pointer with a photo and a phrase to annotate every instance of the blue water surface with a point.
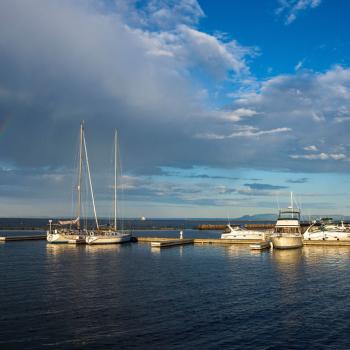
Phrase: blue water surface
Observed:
(133, 296)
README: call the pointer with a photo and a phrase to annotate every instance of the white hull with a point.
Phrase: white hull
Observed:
(61, 237)
(327, 236)
(57, 238)
(245, 235)
(287, 242)
(108, 239)
(239, 233)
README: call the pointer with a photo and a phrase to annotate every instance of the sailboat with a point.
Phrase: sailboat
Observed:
(287, 233)
(70, 231)
(113, 235)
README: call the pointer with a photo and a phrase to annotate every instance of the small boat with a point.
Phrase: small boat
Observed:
(287, 233)
(110, 236)
(325, 229)
(260, 246)
(239, 233)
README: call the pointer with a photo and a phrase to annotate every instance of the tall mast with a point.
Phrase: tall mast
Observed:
(90, 183)
(115, 178)
(291, 203)
(80, 172)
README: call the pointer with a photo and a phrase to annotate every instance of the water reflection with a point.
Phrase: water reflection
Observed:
(285, 258)
(316, 255)
(102, 248)
(236, 250)
(55, 250)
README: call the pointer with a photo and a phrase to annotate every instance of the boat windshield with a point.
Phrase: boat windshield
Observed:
(289, 214)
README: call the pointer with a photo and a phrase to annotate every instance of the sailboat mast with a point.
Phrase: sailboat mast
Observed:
(115, 178)
(291, 203)
(80, 173)
(90, 183)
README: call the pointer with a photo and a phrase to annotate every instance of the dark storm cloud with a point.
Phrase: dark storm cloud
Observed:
(301, 180)
(259, 186)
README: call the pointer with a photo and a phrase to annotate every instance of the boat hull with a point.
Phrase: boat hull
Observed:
(248, 236)
(94, 240)
(283, 242)
(327, 236)
(57, 238)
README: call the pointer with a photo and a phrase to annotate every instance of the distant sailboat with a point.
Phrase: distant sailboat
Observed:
(110, 236)
(69, 231)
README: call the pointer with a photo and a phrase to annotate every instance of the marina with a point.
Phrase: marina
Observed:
(204, 240)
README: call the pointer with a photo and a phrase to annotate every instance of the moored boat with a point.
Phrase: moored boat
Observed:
(70, 231)
(239, 233)
(325, 230)
(110, 236)
(287, 233)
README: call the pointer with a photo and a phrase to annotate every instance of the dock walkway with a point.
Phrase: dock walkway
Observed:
(22, 238)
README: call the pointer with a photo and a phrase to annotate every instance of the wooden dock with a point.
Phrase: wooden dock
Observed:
(171, 243)
(22, 238)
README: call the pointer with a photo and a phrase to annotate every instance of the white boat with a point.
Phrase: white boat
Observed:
(239, 233)
(287, 233)
(110, 236)
(70, 231)
(327, 230)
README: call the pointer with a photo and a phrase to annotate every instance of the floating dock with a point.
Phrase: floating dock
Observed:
(238, 241)
(23, 238)
(327, 242)
(170, 243)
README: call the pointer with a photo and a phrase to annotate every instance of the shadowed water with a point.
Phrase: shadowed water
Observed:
(203, 296)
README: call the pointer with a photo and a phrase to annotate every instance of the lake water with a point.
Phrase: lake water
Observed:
(133, 296)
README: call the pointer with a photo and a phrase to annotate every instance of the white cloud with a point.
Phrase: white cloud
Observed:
(298, 65)
(290, 9)
(311, 148)
(236, 115)
(212, 53)
(249, 132)
(320, 156)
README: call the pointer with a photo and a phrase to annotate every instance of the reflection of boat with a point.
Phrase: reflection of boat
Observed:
(287, 233)
(69, 231)
(110, 236)
(327, 230)
(287, 257)
(237, 232)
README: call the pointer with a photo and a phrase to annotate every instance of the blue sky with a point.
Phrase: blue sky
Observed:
(222, 108)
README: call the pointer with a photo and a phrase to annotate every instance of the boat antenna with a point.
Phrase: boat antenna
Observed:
(115, 178)
(277, 201)
(90, 183)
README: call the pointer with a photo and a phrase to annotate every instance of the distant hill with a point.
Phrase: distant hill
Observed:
(273, 217)
(258, 217)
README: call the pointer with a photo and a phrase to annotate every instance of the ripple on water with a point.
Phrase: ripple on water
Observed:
(209, 297)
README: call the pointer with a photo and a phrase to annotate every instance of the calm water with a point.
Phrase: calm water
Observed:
(191, 297)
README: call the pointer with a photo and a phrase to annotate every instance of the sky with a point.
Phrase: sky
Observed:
(222, 107)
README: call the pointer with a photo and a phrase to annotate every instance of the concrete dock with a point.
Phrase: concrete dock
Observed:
(22, 238)
(198, 240)
(237, 241)
(170, 243)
